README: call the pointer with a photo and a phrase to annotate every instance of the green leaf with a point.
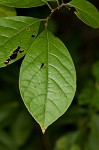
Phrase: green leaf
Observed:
(6, 111)
(22, 127)
(86, 12)
(16, 32)
(95, 71)
(23, 3)
(47, 79)
(6, 141)
(89, 95)
(93, 140)
(7, 11)
(68, 142)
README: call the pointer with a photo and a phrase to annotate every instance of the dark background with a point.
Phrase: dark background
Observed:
(78, 128)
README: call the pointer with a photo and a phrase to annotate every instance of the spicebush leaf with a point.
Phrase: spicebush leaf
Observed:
(16, 31)
(86, 12)
(7, 11)
(23, 3)
(47, 79)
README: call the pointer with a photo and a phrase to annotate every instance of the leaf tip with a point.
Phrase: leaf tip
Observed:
(43, 129)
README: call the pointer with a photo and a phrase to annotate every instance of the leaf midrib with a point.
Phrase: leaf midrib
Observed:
(47, 76)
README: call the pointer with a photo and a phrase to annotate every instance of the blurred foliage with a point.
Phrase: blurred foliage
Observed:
(78, 128)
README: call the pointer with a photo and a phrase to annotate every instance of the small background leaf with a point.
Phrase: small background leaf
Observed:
(14, 32)
(93, 141)
(89, 95)
(22, 128)
(23, 3)
(86, 12)
(6, 141)
(7, 11)
(6, 111)
(68, 142)
(95, 71)
(47, 79)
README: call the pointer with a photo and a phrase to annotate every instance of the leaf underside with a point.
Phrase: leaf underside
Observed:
(86, 12)
(47, 79)
(16, 31)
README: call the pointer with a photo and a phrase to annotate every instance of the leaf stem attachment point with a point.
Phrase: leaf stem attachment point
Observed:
(53, 10)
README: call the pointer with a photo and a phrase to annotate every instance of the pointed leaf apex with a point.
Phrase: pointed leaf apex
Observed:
(43, 129)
